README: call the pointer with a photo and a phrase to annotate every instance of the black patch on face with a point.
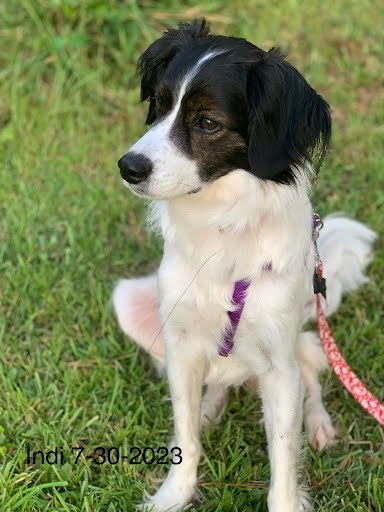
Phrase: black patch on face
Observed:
(225, 149)
(270, 118)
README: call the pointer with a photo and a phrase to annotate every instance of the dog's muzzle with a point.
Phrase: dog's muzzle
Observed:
(134, 168)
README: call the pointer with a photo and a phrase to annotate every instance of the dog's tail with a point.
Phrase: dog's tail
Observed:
(345, 248)
(136, 304)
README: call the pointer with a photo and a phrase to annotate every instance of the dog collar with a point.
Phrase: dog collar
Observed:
(238, 300)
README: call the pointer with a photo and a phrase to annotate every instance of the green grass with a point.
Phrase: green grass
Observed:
(68, 229)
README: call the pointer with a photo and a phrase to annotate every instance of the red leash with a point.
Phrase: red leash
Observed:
(344, 372)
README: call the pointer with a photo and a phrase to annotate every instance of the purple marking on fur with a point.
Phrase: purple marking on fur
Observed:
(316, 220)
(238, 299)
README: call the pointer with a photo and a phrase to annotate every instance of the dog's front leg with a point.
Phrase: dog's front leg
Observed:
(282, 395)
(185, 369)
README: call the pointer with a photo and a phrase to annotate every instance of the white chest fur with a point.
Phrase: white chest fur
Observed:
(238, 227)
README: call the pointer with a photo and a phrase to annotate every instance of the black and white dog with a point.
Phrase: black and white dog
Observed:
(237, 137)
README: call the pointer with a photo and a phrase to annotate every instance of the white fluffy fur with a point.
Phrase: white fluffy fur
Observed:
(345, 247)
(229, 231)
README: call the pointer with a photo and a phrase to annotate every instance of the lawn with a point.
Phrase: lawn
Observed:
(68, 110)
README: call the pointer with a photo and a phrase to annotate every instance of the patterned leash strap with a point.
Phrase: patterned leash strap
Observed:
(343, 371)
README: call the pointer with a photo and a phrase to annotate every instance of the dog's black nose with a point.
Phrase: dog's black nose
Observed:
(134, 168)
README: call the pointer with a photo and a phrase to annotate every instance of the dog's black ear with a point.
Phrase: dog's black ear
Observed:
(288, 121)
(156, 58)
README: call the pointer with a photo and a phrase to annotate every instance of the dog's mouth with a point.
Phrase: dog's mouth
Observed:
(136, 189)
(194, 191)
(142, 191)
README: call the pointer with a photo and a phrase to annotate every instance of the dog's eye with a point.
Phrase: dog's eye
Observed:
(159, 103)
(208, 125)
(162, 104)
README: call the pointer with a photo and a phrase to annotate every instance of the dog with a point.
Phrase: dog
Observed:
(236, 140)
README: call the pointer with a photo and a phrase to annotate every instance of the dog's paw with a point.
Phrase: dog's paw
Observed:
(320, 429)
(155, 505)
(169, 498)
(213, 405)
(299, 502)
(207, 421)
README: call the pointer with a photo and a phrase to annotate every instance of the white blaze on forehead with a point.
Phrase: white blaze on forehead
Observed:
(173, 171)
(162, 128)
(190, 76)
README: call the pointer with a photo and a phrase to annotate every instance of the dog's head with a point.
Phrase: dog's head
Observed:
(218, 104)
